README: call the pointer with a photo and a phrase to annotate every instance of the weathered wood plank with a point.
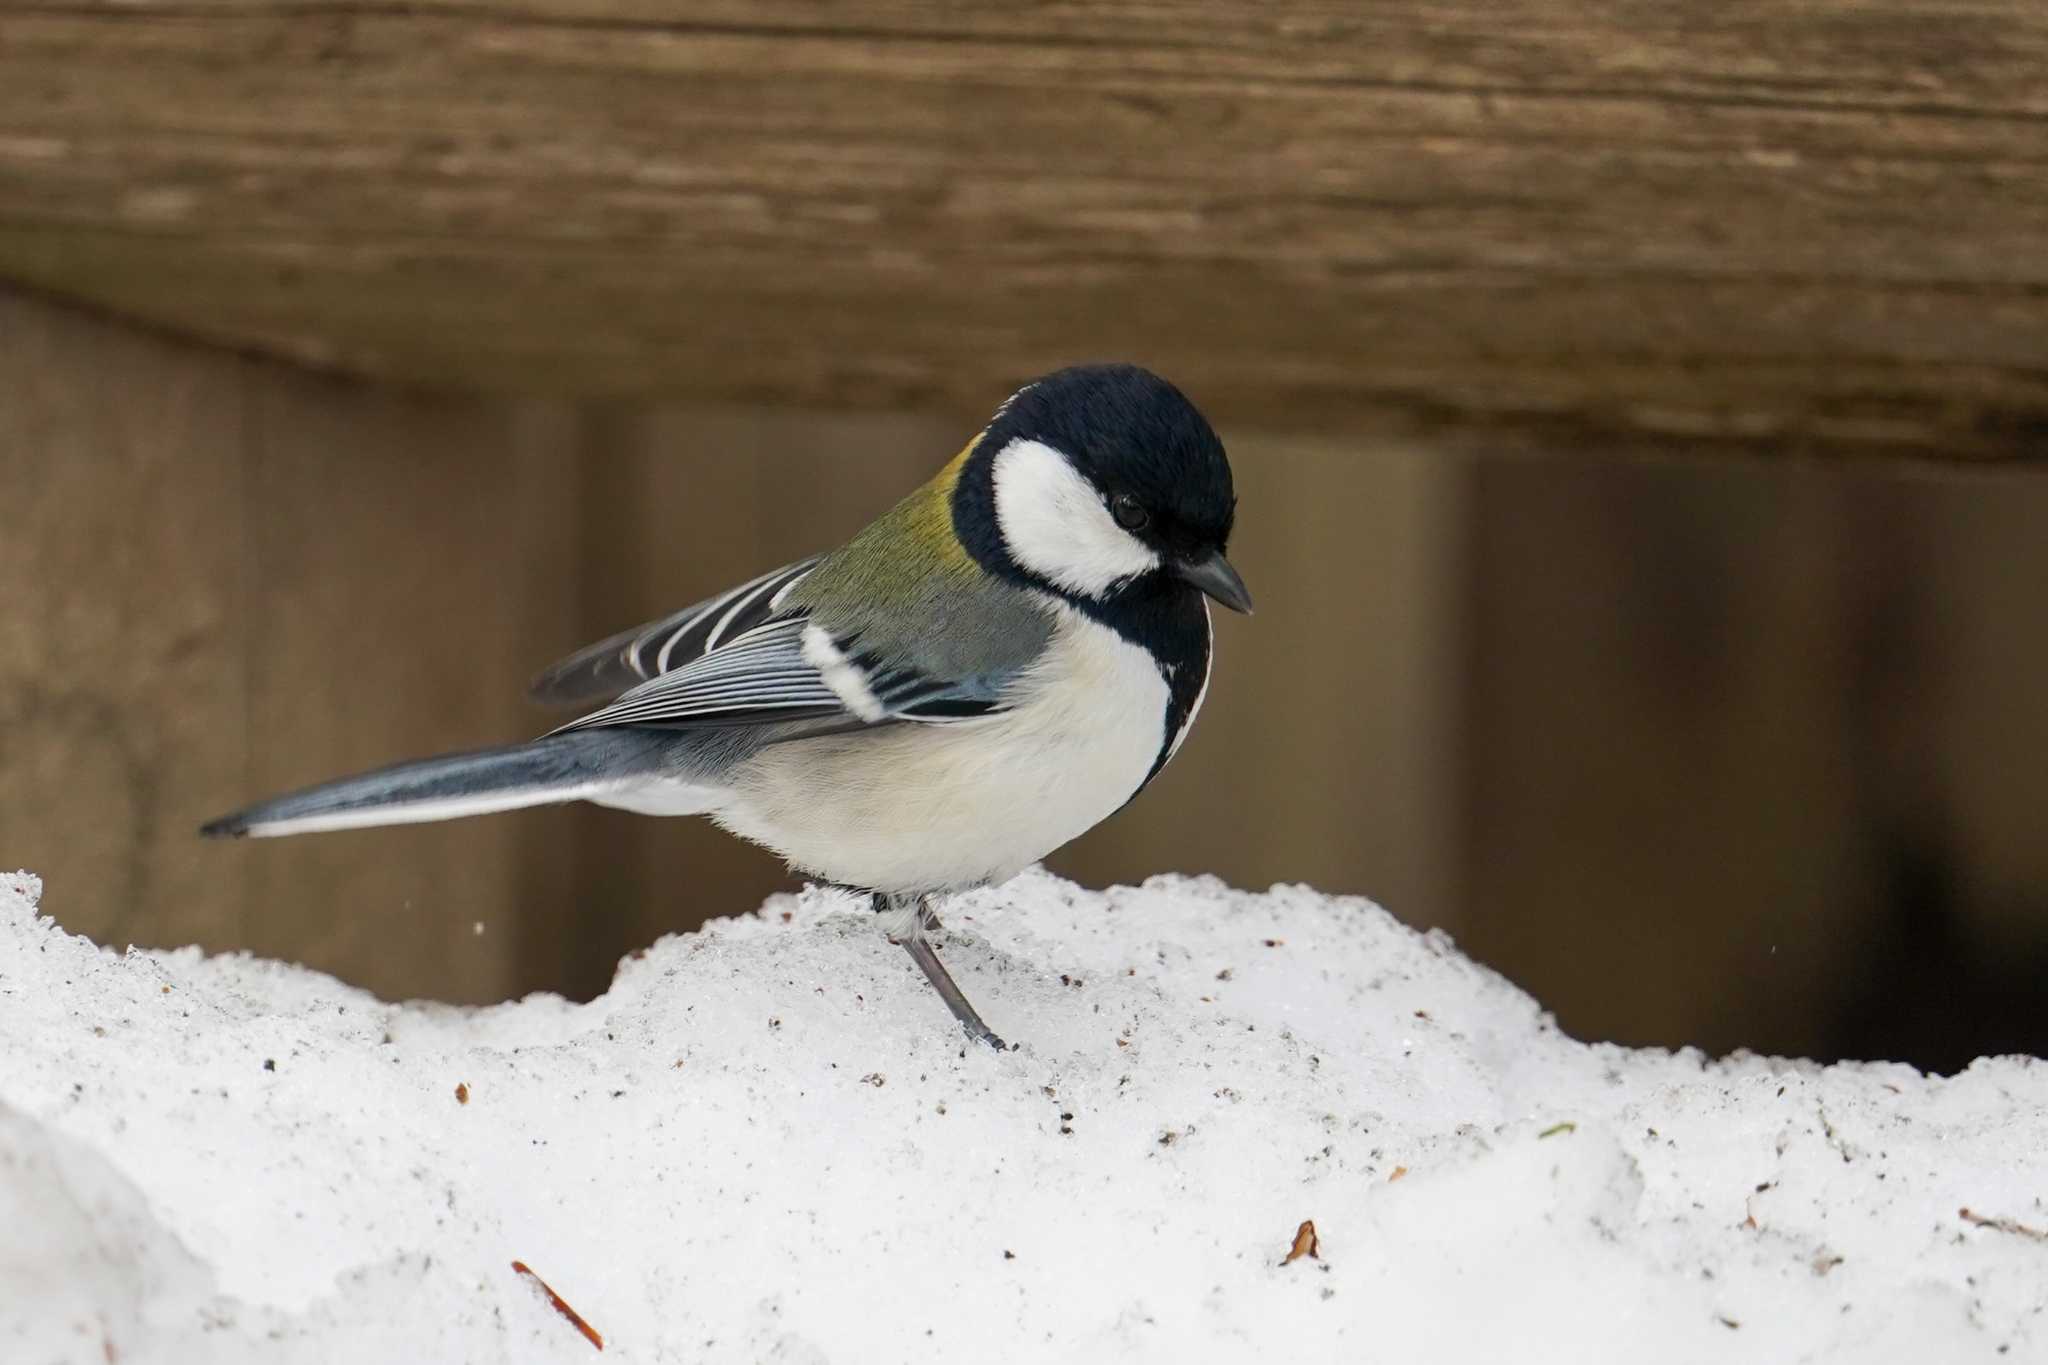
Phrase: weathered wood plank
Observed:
(220, 578)
(410, 563)
(123, 628)
(1802, 225)
(1734, 735)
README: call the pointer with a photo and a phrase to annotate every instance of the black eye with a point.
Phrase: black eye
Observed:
(1128, 513)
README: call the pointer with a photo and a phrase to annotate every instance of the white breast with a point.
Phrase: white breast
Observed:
(918, 807)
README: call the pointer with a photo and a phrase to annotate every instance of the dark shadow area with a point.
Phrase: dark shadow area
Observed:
(1755, 757)
(1928, 982)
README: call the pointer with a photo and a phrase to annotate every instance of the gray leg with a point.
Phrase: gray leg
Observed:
(920, 950)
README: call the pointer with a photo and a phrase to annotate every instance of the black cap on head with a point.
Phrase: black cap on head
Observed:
(1129, 431)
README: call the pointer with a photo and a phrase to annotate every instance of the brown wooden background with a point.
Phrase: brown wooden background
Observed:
(1638, 411)
(243, 578)
(1686, 747)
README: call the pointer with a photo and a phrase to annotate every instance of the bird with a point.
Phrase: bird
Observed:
(989, 669)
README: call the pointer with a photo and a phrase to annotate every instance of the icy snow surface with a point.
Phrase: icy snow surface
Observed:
(768, 1143)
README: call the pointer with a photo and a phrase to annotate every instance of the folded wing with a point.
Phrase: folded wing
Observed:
(626, 660)
(792, 669)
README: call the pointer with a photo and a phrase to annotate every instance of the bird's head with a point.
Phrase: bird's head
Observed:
(1098, 480)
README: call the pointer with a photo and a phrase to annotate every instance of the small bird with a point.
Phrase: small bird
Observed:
(989, 669)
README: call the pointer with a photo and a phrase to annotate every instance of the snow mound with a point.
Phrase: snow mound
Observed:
(769, 1142)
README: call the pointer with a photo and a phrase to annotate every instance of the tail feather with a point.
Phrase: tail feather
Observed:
(586, 765)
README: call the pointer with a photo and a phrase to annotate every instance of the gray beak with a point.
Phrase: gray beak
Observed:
(1213, 575)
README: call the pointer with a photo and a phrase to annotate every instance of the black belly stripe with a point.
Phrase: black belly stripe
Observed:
(1170, 621)
(1184, 691)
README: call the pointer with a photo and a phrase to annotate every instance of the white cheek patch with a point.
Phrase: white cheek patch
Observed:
(1054, 523)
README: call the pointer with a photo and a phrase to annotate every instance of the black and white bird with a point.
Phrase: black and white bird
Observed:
(988, 670)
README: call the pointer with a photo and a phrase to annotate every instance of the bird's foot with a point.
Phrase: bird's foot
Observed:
(942, 981)
(913, 937)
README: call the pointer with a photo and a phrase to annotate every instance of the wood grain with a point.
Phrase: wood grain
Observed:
(409, 564)
(1804, 225)
(223, 578)
(1736, 736)
(123, 629)
(220, 578)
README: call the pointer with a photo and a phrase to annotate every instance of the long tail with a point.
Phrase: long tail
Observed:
(585, 765)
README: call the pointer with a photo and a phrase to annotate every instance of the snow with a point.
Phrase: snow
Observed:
(768, 1142)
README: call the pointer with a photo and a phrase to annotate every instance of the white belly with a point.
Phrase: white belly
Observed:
(917, 807)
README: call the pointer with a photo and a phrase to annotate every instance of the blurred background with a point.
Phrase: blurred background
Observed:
(1640, 422)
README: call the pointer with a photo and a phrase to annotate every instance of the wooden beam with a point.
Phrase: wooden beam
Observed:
(1786, 226)
(223, 578)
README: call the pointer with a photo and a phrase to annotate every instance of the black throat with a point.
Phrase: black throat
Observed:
(1157, 612)
(1169, 620)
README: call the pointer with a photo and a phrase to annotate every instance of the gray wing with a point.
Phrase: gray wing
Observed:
(630, 658)
(791, 668)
